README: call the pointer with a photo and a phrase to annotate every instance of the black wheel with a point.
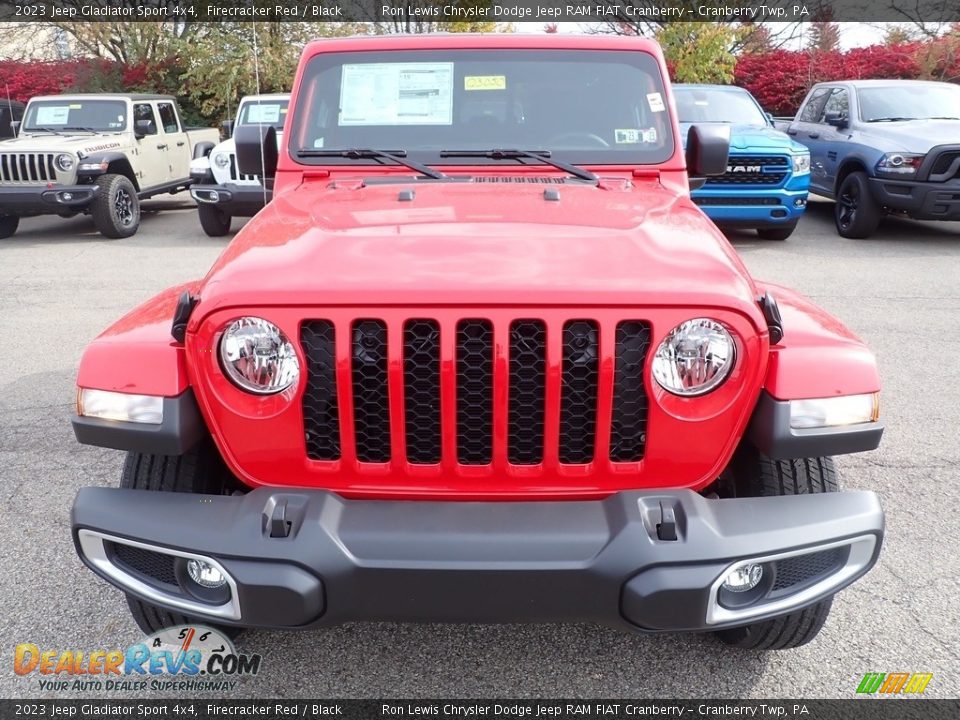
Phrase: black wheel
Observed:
(856, 212)
(8, 225)
(116, 208)
(777, 232)
(201, 470)
(758, 476)
(213, 220)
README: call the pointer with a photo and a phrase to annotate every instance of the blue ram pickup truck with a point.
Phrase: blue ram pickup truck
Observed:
(882, 146)
(768, 174)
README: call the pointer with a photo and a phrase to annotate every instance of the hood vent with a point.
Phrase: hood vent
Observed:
(519, 179)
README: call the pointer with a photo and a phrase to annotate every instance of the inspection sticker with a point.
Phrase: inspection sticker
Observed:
(634, 136)
(655, 101)
(485, 82)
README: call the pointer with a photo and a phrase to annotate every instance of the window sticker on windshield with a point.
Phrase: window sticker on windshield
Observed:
(76, 106)
(485, 82)
(397, 94)
(52, 115)
(655, 102)
(318, 143)
(634, 136)
(263, 113)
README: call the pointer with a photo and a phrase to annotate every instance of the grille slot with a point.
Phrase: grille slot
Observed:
(235, 174)
(421, 389)
(371, 410)
(806, 569)
(528, 380)
(474, 392)
(321, 419)
(628, 425)
(580, 377)
(157, 566)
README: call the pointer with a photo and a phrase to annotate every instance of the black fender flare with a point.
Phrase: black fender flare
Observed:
(107, 162)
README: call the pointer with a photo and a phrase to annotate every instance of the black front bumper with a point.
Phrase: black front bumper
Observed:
(307, 558)
(234, 200)
(920, 200)
(41, 200)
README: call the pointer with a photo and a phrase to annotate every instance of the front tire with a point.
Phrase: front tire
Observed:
(756, 475)
(116, 208)
(778, 232)
(856, 212)
(213, 220)
(8, 225)
(201, 470)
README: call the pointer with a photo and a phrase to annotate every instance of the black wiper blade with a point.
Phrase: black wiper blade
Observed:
(397, 156)
(42, 129)
(82, 129)
(892, 119)
(943, 117)
(541, 155)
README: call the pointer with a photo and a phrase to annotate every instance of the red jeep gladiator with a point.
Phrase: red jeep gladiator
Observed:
(481, 359)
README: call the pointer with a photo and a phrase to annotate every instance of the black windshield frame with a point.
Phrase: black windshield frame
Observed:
(466, 62)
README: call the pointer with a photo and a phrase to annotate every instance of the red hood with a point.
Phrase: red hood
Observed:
(490, 243)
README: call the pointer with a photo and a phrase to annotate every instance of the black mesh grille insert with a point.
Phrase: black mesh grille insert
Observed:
(528, 368)
(371, 409)
(628, 425)
(803, 569)
(578, 394)
(421, 388)
(146, 562)
(474, 392)
(320, 418)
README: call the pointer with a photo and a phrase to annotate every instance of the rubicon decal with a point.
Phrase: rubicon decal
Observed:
(894, 683)
(185, 652)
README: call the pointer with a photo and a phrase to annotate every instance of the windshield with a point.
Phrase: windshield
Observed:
(583, 107)
(697, 105)
(909, 102)
(99, 115)
(266, 112)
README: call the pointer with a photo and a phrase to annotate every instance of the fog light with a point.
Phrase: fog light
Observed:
(66, 197)
(744, 578)
(213, 196)
(799, 202)
(205, 574)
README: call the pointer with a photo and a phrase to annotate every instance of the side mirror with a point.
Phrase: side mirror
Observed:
(707, 149)
(226, 128)
(15, 127)
(836, 118)
(141, 128)
(769, 117)
(256, 150)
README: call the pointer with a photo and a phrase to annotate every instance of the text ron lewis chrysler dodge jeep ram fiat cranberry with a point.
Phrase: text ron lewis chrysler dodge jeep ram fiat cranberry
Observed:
(481, 359)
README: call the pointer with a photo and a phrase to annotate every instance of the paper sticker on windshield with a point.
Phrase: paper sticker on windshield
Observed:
(263, 113)
(634, 136)
(655, 102)
(485, 82)
(52, 114)
(76, 106)
(397, 94)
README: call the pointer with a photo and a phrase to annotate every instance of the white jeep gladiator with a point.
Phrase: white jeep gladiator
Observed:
(222, 192)
(99, 155)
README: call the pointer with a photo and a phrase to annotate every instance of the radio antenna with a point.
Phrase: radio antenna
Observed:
(256, 75)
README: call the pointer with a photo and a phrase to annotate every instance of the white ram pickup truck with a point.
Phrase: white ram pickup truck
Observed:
(99, 155)
(222, 192)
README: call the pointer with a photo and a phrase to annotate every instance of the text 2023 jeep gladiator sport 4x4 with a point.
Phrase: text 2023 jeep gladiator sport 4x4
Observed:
(481, 359)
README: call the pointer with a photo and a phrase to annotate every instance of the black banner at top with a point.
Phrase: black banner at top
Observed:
(513, 11)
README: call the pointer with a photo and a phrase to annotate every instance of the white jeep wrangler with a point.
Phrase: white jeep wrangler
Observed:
(96, 154)
(222, 192)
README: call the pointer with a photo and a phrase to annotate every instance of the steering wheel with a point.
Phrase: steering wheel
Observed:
(592, 138)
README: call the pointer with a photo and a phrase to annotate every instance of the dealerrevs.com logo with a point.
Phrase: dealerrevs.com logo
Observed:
(185, 657)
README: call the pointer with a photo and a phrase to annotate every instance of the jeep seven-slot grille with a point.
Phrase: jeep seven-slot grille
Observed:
(753, 170)
(27, 168)
(466, 409)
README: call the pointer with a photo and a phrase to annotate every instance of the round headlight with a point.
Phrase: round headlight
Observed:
(221, 160)
(694, 358)
(65, 162)
(257, 357)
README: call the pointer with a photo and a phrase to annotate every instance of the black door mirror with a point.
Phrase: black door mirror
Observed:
(256, 150)
(836, 118)
(226, 128)
(141, 128)
(708, 147)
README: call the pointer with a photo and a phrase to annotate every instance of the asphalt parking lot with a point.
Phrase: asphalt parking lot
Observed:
(61, 284)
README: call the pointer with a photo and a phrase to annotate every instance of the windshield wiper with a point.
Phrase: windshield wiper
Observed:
(42, 129)
(397, 156)
(943, 117)
(541, 155)
(892, 119)
(82, 129)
